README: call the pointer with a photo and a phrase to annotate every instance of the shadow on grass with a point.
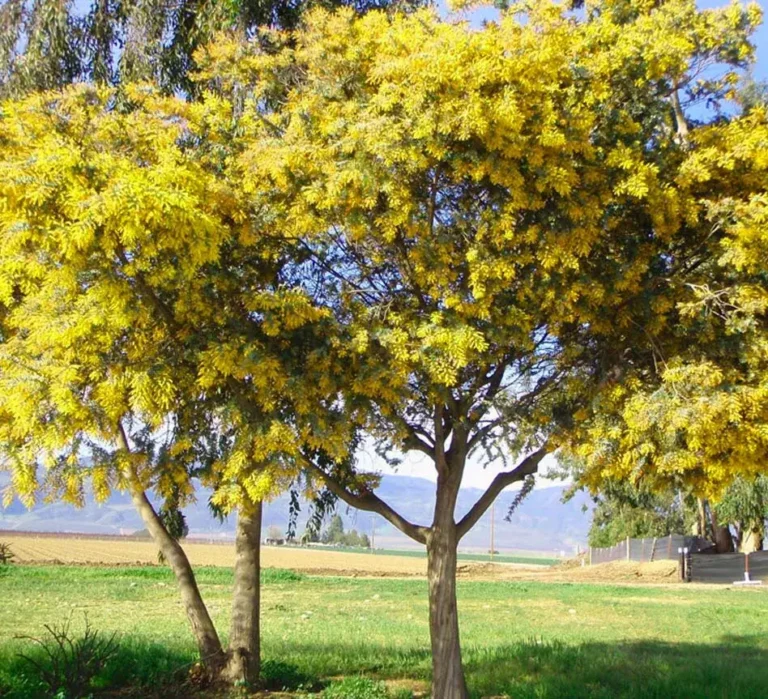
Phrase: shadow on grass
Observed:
(736, 668)
(151, 669)
(636, 670)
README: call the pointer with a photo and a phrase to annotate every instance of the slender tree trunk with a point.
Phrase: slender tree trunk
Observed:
(208, 643)
(442, 542)
(244, 662)
(701, 521)
(447, 672)
(738, 538)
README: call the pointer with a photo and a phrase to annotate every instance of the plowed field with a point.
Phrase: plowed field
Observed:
(29, 548)
(33, 549)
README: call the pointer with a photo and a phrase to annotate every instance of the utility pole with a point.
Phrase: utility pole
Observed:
(492, 521)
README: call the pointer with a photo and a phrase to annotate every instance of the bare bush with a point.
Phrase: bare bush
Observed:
(6, 555)
(69, 662)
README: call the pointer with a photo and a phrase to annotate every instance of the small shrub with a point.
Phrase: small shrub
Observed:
(356, 688)
(280, 575)
(6, 555)
(278, 676)
(69, 663)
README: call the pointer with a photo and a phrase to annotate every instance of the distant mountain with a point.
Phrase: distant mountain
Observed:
(542, 523)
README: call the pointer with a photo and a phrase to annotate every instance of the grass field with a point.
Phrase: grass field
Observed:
(521, 639)
(498, 558)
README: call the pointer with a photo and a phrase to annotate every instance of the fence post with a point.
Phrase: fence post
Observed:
(688, 571)
(653, 548)
(590, 555)
(628, 558)
(680, 565)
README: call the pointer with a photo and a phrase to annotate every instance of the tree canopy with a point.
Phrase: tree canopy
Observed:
(47, 44)
(702, 412)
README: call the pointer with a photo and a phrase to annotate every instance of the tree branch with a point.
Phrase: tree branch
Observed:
(682, 124)
(528, 466)
(371, 502)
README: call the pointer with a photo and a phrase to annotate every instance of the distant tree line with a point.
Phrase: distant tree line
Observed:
(334, 534)
(735, 523)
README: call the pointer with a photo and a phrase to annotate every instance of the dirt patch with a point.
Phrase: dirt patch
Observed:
(659, 572)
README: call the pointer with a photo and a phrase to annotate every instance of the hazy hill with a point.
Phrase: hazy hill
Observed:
(541, 523)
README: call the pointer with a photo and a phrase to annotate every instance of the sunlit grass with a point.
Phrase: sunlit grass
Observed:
(520, 639)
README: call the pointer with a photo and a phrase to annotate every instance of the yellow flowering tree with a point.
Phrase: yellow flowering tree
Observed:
(144, 324)
(700, 417)
(502, 221)
(84, 204)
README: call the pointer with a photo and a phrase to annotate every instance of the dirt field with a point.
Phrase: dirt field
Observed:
(34, 549)
(61, 549)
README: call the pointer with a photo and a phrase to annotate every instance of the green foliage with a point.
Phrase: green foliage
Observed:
(49, 43)
(335, 535)
(752, 93)
(356, 688)
(746, 500)
(334, 532)
(744, 506)
(622, 510)
(141, 668)
(68, 663)
(280, 575)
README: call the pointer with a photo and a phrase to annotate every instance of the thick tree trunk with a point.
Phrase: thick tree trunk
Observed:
(208, 643)
(447, 673)
(723, 540)
(244, 662)
(722, 534)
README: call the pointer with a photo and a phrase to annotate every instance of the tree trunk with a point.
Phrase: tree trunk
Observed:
(208, 643)
(752, 538)
(447, 673)
(244, 662)
(722, 534)
(701, 520)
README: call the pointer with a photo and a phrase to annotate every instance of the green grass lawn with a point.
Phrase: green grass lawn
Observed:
(520, 639)
(421, 553)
